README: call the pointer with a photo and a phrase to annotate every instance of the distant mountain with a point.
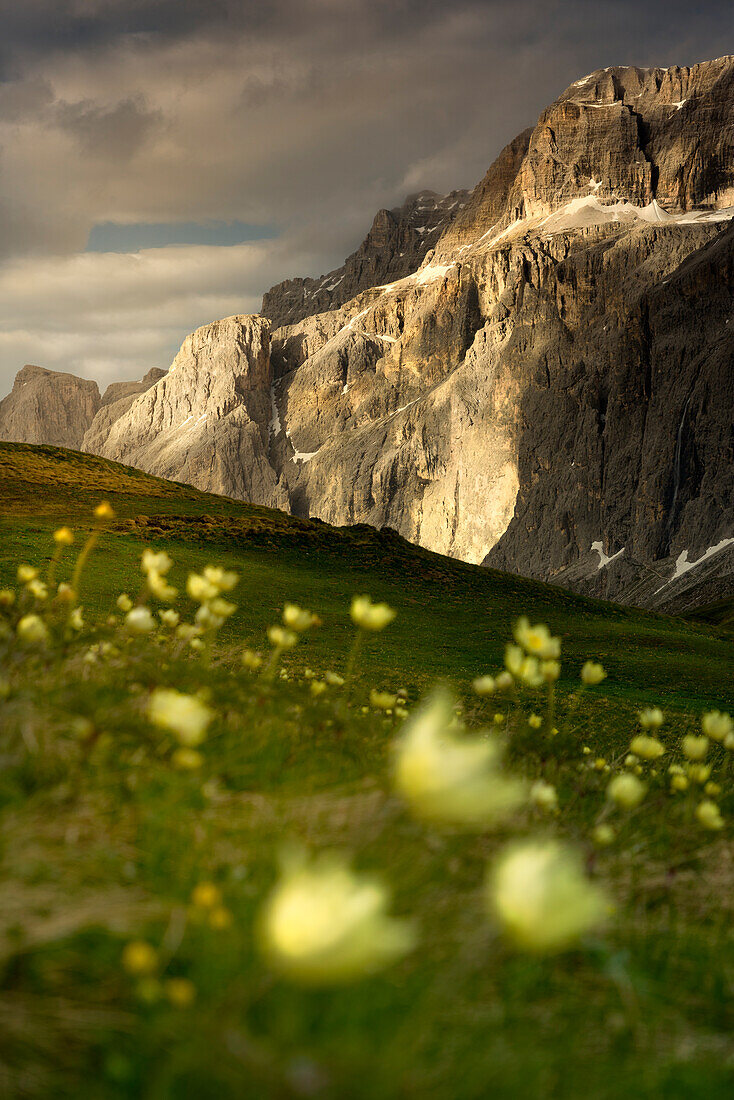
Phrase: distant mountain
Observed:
(546, 385)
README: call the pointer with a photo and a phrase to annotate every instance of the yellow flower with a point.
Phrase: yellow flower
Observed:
(159, 587)
(104, 511)
(180, 992)
(124, 602)
(382, 700)
(626, 791)
(647, 748)
(76, 619)
(550, 671)
(64, 536)
(140, 958)
(295, 618)
(709, 815)
(323, 925)
(679, 783)
(7, 597)
(536, 640)
(716, 725)
(152, 562)
(251, 660)
(318, 687)
(139, 621)
(282, 638)
(187, 759)
(699, 773)
(651, 718)
(521, 667)
(503, 681)
(449, 777)
(184, 715)
(544, 795)
(695, 748)
(32, 630)
(603, 835)
(541, 897)
(484, 685)
(169, 617)
(592, 673)
(600, 764)
(200, 589)
(370, 616)
(334, 679)
(713, 790)
(26, 574)
(38, 590)
(630, 760)
(223, 580)
(206, 895)
(65, 593)
(535, 721)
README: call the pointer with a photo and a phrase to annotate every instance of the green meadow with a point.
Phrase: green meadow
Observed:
(106, 835)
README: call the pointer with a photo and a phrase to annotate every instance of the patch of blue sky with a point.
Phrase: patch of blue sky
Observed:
(116, 237)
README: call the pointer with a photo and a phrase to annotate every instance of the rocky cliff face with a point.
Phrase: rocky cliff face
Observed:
(116, 400)
(206, 421)
(547, 388)
(395, 245)
(47, 406)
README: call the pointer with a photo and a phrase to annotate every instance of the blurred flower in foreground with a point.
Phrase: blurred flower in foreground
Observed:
(484, 685)
(140, 621)
(539, 894)
(371, 616)
(32, 630)
(449, 777)
(184, 715)
(695, 748)
(626, 791)
(140, 958)
(647, 748)
(323, 924)
(709, 815)
(543, 795)
(536, 640)
(295, 618)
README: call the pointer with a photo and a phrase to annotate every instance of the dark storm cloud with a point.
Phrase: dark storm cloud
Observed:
(307, 115)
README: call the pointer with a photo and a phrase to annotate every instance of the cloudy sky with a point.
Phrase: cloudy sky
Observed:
(163, 162)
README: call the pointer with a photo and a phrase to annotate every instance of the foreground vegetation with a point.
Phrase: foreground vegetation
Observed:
(173, 772)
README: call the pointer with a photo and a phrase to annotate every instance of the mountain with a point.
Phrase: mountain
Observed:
(547, 390)
(47, 406)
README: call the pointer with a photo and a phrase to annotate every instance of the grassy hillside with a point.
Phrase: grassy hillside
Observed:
(105, 839)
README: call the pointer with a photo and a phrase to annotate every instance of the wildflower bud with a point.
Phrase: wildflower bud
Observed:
(38, 590)
(716, 725)
(282, 638)
(124, 603)
(186, 716)
(318, 687)
(713, 790)
(169, 617)
(32, 630)
(535, 721)
(223, 580)
(206, 895)
(592, 673)
(679, 783)
(543, 795)
(630, 760)
(251, 660)
(504, 681)
(647, 748)
(26, 574)
(695, 748)
(651, 718)
(154, 562)
(536, 640)
(159, 587)
(104, 511)
(7, 597)
(64, 536)
(382, 700)
(600, 764)
(323, 924)
(65, 593)
(181, 993)
(699, 773)
(709, 815)
(484, 685)
(187, 759)
(499, 719)
(603, 835)
(76, 619)
(586, 750)
(333, 679)
(539, 894)
(200, 589)
(186, 631)
(139, 621)
(370, 616)
(140, 958)
(626, 791)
